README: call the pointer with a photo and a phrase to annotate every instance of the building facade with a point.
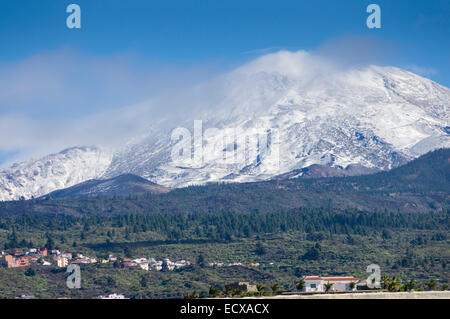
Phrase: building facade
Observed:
(317, 283)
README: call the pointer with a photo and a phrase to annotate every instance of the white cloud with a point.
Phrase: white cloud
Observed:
(61, 99)
(424, 71)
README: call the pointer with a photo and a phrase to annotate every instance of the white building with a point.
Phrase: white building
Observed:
(112, 296)
(61, 261)
(66, 255)
(142, 262)
(46, 263)
(317, 283)
(181, 263)
(170, 264)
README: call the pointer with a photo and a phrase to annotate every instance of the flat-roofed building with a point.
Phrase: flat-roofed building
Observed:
(317, 283)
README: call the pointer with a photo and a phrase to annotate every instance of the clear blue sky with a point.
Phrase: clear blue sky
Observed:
(186, 33)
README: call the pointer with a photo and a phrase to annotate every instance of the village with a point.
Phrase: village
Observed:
(43, 257)
(17, 258)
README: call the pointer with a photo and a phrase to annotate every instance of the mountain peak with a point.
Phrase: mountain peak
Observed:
(375, 117)
(34, 178)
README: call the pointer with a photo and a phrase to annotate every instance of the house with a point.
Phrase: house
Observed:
(127, 263)
(61, 261)
(313, 284)
(142, 262)
(66, 255)
(82, 261)
(182, 263)
(12, 262)
(214, 264)
(17, 253)
(317, 283)
(234, 264)
(170, 264)
(155, 264)
(112, 296)
(143, 265)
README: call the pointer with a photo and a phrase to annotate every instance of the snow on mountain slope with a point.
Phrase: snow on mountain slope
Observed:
(38, 177)
(376, 117)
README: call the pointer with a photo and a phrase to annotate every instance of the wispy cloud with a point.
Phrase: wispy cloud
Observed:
(262, 51)
(424, 71)
(63, 98)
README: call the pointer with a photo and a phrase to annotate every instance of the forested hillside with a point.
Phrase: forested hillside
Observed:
(419, 186)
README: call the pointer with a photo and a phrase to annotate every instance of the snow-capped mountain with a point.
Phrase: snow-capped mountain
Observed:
(377, 117)
(38, 177)
(309, 111)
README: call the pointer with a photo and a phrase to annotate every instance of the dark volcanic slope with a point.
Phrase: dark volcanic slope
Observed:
(122, 185)
(317, 171)
(419, 186)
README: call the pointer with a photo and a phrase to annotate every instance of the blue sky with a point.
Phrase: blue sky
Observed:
(49, 72)
(188, 31)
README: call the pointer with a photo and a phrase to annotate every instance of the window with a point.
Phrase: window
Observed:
(313, 286)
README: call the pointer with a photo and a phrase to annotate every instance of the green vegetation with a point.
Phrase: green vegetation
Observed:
(278, 230)
(295, 243)
(419, 186)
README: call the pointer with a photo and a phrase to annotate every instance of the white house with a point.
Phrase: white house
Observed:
(317, 283)
(170, 264)
(112, 296)
(313, 284)
(181, 263)
(66, 255)
(61, 261)
(156, 265)
(142, 262)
